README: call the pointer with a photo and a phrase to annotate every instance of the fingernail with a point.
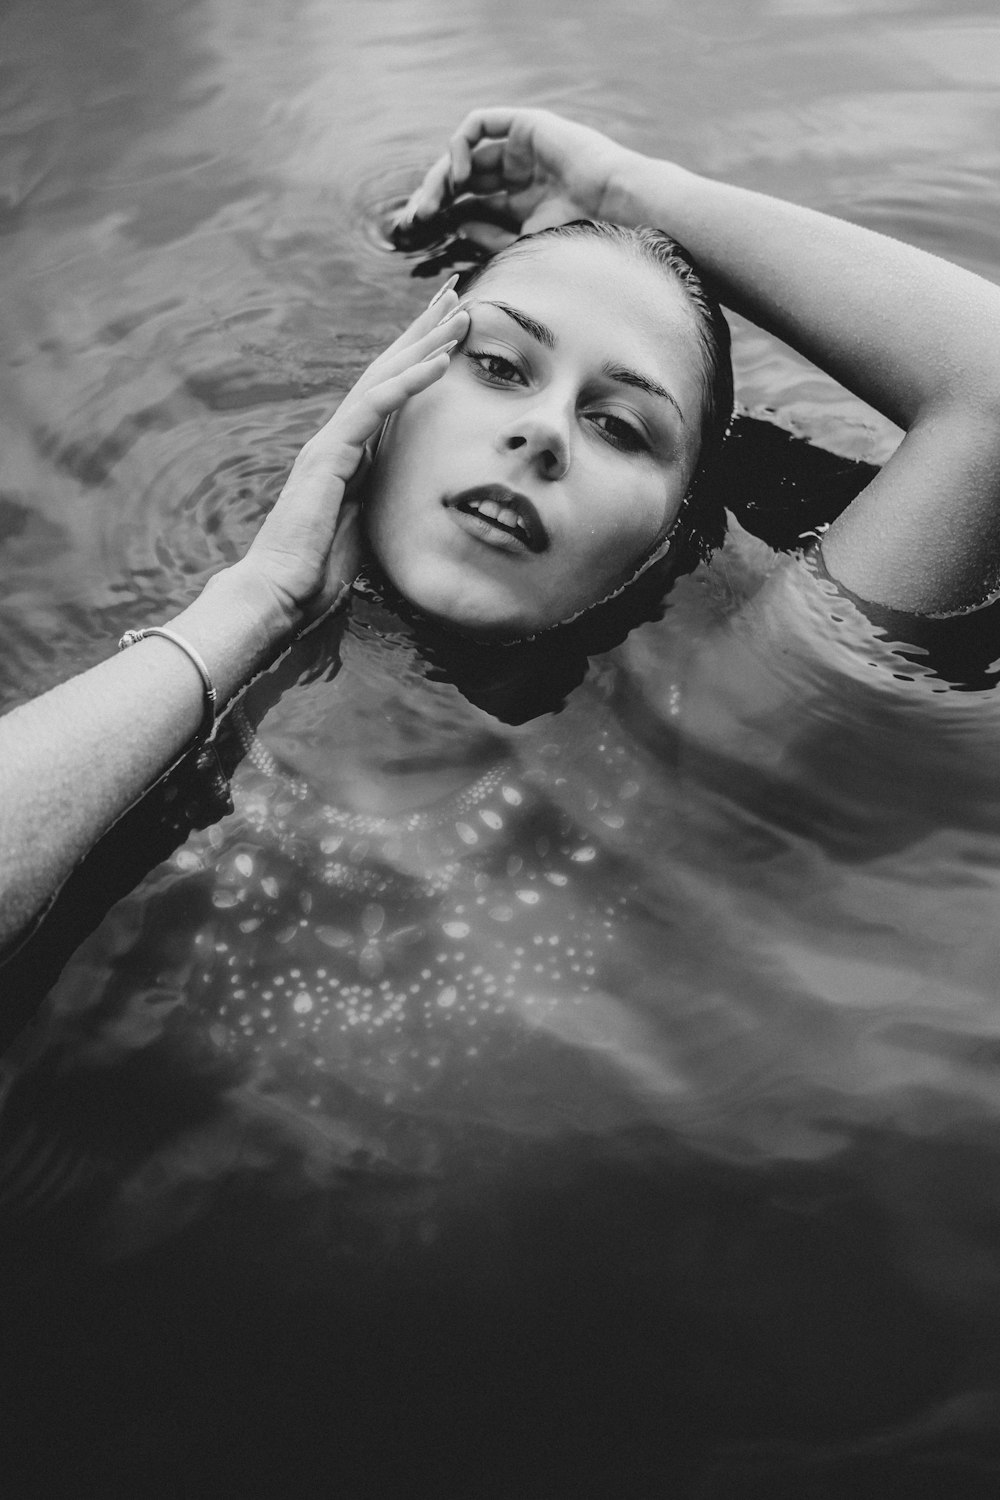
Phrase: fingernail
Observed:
(444, 349)
(449, 317)
(451, 282)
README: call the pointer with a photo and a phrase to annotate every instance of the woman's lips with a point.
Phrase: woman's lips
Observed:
(509, 513)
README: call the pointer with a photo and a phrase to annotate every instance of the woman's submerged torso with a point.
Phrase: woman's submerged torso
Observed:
(713, 927)
(756, 810)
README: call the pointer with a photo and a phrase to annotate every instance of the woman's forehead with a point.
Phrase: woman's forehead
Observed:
(595, 290)
(614, 274)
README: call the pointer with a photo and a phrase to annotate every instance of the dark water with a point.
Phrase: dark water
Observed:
(603, 1107)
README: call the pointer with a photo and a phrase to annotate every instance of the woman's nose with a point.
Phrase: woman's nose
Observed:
(541, 437)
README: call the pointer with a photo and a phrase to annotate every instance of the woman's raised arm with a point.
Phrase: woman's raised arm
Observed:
(915, 336)
(75, 759)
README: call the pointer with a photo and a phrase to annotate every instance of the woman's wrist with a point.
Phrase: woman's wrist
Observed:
(238, 625)
(647, 190)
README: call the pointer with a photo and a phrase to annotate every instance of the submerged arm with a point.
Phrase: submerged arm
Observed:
(913, 335)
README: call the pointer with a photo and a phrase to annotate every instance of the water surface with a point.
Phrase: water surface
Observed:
(696, 1200)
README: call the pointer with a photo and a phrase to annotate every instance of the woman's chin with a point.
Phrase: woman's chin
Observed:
(465, 609)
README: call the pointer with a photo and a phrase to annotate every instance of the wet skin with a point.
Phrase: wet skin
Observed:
(534, 477)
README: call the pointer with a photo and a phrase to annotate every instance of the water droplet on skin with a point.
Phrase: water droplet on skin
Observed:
(466, 834)
(502, 913)
(555, 877)
(224, 899)
(330, 844)
(530, 898)
(511, 795)
(186, 859)
(270, 887)
(244, 864)
(447, 997)
(585, 855)
(456, 929)
(491, 819)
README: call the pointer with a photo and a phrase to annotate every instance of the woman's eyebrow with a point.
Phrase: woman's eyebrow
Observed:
(538, 331)
(620, 373)
(624, 376)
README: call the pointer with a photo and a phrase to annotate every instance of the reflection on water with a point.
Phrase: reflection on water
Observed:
(626, 1123)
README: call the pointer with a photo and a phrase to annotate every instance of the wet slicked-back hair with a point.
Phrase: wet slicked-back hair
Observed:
(700, 525)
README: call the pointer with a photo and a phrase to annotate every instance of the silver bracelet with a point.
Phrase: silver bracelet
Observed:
(208, 718)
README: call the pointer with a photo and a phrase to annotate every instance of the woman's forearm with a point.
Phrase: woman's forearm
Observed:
(907, 332)
(75, 759)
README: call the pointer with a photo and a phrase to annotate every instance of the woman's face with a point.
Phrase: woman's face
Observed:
(533, 478)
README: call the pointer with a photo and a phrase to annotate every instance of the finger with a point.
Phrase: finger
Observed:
(427, 326)
(308, 512)
(492, 208)
(325, 466)
(392, 363)
(441, 306)
(400, 358)
(492, 237)
(512, 158)
(460, 159)
(335, 451)
(425, 333)
(487, 155)
(483, 184)
(454, 166)
(481, 125)
(431, 193)
(489, 168)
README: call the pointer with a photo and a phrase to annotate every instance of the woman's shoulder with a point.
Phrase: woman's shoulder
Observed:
(778, 626)
(773, 608)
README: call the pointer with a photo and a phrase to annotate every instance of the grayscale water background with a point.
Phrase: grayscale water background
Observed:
(725, 1227)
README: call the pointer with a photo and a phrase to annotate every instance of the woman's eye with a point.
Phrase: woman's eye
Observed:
(494, 367)
(619, 433)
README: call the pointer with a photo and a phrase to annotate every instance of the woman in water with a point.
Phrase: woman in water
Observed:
(517, 458)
